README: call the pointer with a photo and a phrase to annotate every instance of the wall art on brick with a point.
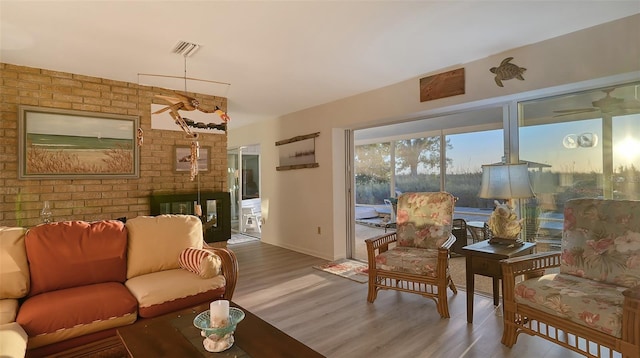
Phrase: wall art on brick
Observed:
(56, 143)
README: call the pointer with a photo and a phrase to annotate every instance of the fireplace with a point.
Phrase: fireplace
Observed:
(216, 211)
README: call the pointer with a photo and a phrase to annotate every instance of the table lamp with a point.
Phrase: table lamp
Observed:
(508, 182)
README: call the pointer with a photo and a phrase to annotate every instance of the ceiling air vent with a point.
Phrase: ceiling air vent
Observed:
(185, 49)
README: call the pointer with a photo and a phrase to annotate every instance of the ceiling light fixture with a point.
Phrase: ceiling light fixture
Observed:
(186, 49)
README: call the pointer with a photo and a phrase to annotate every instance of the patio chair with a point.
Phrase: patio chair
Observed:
(415, 258)
(459, 230)
(251, 219)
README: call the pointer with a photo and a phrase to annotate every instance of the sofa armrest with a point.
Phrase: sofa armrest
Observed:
(13, 340)
(229, 268)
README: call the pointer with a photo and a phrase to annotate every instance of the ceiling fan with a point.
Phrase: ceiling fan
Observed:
(606, 104)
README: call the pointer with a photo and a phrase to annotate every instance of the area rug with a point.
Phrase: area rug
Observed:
(482, 284)
(351, 269)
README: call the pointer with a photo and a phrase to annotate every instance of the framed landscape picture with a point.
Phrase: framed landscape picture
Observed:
(55, 143)
(182, 159)
(298, 152)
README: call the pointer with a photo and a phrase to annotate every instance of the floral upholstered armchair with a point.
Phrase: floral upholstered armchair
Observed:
(594, 297)
(415, 258)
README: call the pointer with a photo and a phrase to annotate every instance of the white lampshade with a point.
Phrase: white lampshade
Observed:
(505, 181)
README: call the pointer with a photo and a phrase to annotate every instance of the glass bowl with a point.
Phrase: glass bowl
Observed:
(203, 322)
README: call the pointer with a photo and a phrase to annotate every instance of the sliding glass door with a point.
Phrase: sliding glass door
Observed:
(584, 144)
(427, 155)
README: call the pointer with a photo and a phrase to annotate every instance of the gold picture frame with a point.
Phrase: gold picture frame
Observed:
(69, 144)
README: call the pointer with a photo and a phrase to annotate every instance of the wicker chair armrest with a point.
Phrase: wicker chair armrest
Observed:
(381, 242)
(632, 293)
(443, 254)
(229, 268)
(532, 265)
(378, 244)
(531, 257)
(630, 318)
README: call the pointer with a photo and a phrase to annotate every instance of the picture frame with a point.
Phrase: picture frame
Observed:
(181, 158)
(297, 152)
(442, 85)
(70, 144)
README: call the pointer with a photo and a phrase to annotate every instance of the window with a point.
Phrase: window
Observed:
(466, 153)
(581, 145)
(418, 164)
(373, 172)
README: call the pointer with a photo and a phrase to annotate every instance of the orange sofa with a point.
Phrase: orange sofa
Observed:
(69, 283)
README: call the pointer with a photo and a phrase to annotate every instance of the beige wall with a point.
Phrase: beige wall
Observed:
(94, 199)
(299, 201)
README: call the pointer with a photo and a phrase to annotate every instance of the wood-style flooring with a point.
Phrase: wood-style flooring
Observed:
(331, 314)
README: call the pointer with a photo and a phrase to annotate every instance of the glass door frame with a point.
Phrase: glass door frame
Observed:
(234, 168)
(236, 181)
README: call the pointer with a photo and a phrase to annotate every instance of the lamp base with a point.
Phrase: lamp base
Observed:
(505, 242)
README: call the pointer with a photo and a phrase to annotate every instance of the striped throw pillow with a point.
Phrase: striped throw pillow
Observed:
(204, 263)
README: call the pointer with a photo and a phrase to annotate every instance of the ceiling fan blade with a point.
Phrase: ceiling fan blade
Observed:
(606, 105)
(630, 105)
(608, 101)
(568, 112)
(575, 110)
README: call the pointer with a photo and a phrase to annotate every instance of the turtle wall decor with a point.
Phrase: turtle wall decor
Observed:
(507, 71)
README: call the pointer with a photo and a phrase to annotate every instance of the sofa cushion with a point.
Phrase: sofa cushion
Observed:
(155, 242)
(601, 240)
(203, 263)
(76, 311)
(14, 270)
(595, 305)
(76, 253)
(13, 341)
(8, 310)
(186, 289)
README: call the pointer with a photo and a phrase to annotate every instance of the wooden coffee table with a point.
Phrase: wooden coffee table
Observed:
(174, 335)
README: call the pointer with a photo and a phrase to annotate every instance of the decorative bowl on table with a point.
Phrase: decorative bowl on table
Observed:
(218, 339)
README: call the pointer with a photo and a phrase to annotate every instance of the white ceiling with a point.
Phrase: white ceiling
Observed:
(281, 57)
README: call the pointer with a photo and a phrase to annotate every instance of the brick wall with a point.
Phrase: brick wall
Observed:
(95, 199)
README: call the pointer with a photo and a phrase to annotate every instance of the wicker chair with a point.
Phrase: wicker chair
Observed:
(593, 300)
(415, 258)
(460, 231)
